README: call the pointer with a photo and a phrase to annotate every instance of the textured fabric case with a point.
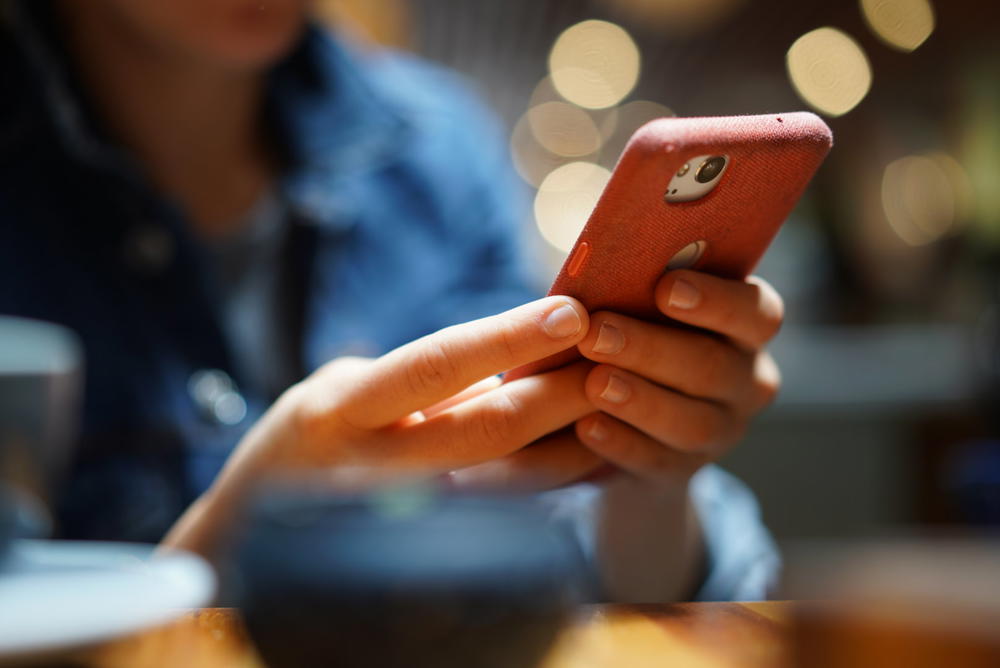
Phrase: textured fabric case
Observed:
(633, 232)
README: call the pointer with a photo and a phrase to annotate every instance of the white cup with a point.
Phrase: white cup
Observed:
(40, 383)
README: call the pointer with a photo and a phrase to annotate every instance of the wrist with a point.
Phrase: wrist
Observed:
(649, 543)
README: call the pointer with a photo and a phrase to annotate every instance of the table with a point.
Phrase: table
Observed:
(693, 635)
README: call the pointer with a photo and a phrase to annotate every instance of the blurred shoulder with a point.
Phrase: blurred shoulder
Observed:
(422, 88)
(429, 96)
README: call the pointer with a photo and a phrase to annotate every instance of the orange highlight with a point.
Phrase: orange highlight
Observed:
(579, 257)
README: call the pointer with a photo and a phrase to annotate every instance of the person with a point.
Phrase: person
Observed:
(284, 254)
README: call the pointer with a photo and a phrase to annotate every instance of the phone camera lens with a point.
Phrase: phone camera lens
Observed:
(710, 169)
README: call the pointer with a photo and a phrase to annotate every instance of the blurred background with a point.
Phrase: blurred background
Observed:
(889, 265)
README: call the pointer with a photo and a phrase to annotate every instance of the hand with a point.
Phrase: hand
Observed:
(671, 398)
(424, 408)
(684, 395)
(401, 412)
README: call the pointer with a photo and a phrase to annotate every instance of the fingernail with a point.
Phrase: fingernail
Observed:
(597, 431)
(610, 340)
(684, 295)
(616, 391)
(563, 321)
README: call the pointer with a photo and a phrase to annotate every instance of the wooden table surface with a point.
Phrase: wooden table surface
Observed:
(693, 635)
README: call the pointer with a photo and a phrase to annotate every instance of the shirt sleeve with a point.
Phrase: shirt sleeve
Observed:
(742, 561)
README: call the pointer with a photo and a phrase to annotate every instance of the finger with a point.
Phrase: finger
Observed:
(748, 312)
(766, 383)
(692, 362)
(435, 367)
(493, 424)
(682, 422)
(554, 461)
(474, 390)
(633, 451)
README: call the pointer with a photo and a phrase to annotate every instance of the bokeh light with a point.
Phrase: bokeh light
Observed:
(920, 198)
(902, 24)
(565, 200)
(531, 160)
(829, 71)
(387, 22)
(564, 129)
(594, 64)
(961, 184)
(545, 91)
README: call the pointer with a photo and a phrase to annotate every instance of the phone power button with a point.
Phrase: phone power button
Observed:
(579, 258)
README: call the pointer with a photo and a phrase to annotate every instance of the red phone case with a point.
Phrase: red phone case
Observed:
(633, 232)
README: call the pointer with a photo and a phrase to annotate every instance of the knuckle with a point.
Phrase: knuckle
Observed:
(770, 325)
(316, 419)
(495, 425)
(431, 368)
(722, 297)
(767, 379)
(701, 430)
(509, 343)
(777, 306)
(716, 364)
(727, 314)
(309, 426)
(770, 310)
(316, 408)
(767, 391)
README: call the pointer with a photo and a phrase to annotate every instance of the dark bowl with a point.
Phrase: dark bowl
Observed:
(452, 581)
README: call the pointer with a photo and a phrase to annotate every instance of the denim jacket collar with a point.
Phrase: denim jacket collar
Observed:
(330, 117)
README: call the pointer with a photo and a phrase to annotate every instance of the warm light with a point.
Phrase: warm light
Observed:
(677, 17)
(961, 184)
(919, 199)
(531, 160)
(543, 92)
(563, 129)
(618, 129)
(903, 24)
(829, 70)
(604, 119)
(566, 199)
(386, 23)
(594, 64)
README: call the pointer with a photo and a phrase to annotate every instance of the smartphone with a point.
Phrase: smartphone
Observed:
(702, 193)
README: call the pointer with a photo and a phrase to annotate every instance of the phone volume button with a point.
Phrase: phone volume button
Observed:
(576, 262)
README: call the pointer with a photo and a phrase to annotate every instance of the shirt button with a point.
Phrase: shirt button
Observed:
(148, 249)
(217, 397)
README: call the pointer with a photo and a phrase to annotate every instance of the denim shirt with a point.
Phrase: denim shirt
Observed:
(404, 218)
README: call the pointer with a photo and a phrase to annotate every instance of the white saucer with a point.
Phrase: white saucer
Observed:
(61, 594)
